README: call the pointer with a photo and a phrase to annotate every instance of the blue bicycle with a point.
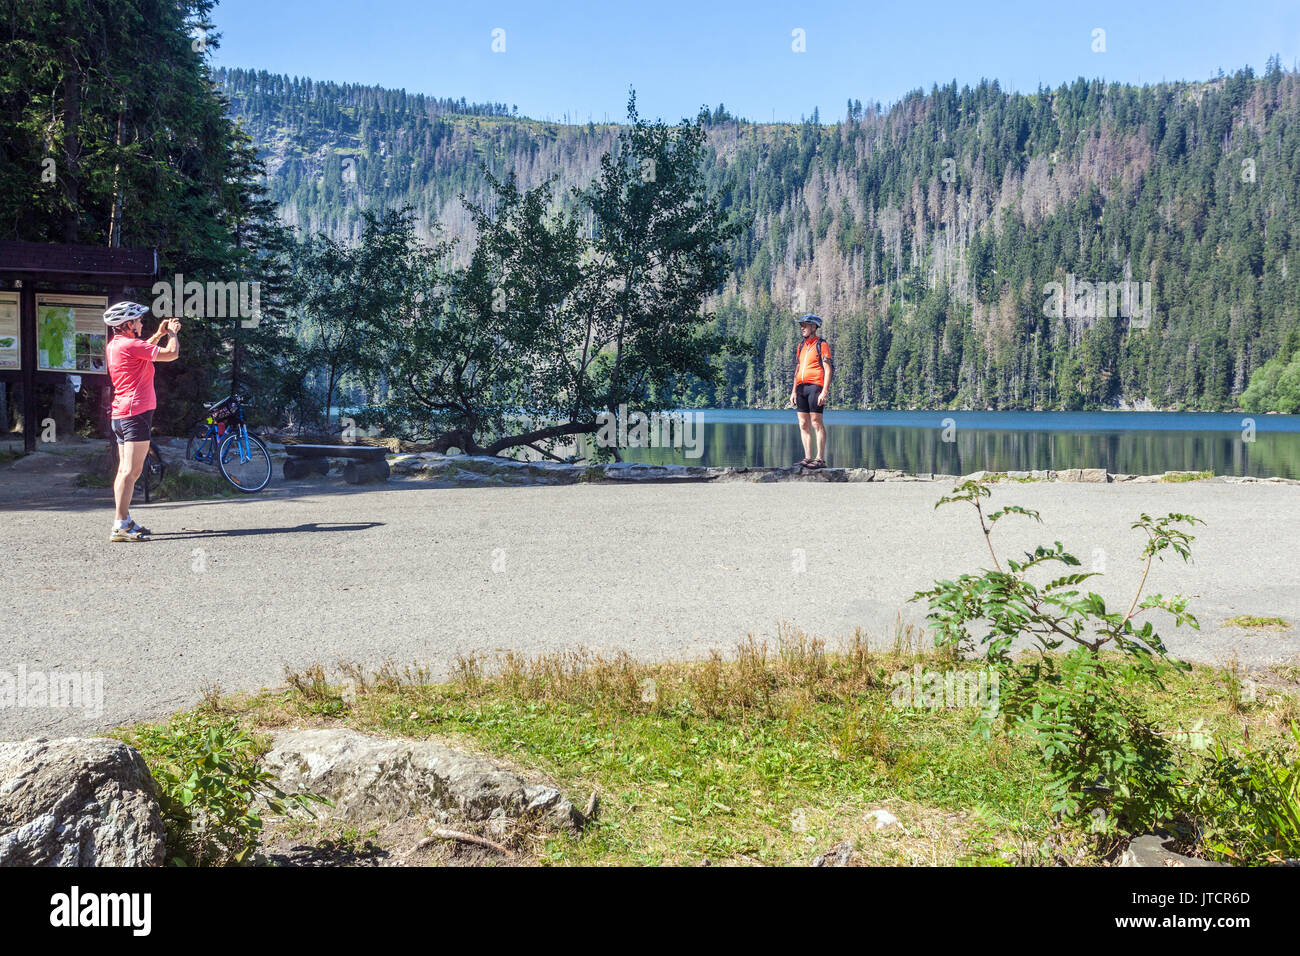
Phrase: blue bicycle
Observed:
(223, 440)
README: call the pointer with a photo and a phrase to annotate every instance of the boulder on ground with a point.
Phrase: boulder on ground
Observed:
(295, 468)
(360, 472)
(1150, 850)
(77, 802)
(44, 461)
(374, 778)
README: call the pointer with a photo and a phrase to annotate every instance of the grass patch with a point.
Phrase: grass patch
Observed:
(1258, 623)
(767, 756)
(1177, 476)
(8, 457)
(188, 485)
(996, 477)
(176, 486)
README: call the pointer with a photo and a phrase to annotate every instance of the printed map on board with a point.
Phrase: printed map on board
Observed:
(55, 326)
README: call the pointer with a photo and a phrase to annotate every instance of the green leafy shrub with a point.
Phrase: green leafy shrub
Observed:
(1108, 767)
(210, 787)
(1248, 804)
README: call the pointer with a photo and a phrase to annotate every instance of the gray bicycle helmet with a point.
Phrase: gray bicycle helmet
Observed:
(814, 319)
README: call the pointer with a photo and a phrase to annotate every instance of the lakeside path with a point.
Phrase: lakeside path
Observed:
(232, 590)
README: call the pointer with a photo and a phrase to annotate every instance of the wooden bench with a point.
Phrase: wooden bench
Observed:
(368, 461)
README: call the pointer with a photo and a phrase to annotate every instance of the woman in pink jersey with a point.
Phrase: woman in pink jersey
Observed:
(130, 367)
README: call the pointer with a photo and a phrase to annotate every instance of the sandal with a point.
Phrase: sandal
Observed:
(803, 463)
(816, 463)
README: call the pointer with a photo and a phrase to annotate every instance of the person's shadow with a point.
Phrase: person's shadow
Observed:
(189, 534)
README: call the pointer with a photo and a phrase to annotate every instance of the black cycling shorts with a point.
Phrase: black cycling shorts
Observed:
(134, 428)
(805, 398)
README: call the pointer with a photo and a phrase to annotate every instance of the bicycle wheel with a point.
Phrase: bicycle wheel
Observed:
(244, 461)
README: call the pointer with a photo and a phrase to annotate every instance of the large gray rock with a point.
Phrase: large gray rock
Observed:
(40, 461)
(1149, 850)
(374, 778)
(469, 470)
(77, 802)
(629, 471)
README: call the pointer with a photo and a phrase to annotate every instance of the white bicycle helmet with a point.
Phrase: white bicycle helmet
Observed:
(124, 312)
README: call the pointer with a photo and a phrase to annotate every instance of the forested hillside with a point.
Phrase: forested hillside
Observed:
(927, 235)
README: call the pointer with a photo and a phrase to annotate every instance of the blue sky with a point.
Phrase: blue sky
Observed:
(580, 58)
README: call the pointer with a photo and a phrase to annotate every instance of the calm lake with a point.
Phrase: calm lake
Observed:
(1137, 443)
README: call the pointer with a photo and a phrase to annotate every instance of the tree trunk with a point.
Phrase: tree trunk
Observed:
(64, 412)
(71, 151)
(234, 356)
(329, 399)
(115, 214)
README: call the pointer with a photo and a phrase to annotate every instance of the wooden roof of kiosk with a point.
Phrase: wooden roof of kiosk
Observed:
(31, 267)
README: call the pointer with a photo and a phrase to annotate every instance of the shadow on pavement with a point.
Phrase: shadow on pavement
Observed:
(188, 534)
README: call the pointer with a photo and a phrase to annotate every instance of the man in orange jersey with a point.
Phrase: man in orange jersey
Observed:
(812, 384)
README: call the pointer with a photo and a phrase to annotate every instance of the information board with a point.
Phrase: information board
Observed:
(70, 332)
(10, 356)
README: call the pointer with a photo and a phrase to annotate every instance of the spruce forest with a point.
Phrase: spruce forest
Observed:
(949, 240)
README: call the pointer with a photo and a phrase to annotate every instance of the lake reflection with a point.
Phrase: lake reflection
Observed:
(1139, 443)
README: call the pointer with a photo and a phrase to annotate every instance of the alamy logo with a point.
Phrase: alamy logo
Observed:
(1085, 300)
(927, 689)
(58, 689)
(656, 430)
(210, 300)
(74, 908)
